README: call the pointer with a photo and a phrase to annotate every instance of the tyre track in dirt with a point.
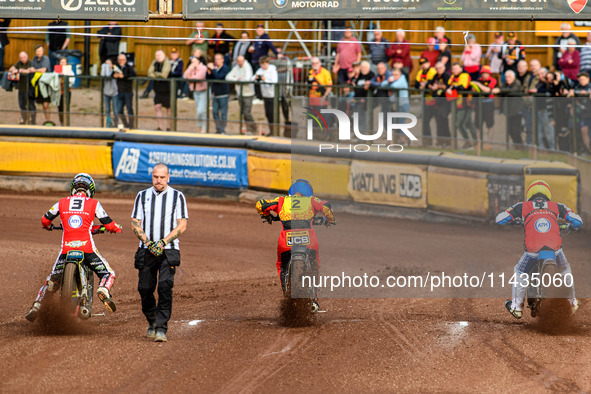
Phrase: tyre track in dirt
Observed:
(516, 359)
(270, 361)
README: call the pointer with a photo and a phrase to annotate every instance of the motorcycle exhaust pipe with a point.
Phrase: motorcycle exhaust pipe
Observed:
(84, 313)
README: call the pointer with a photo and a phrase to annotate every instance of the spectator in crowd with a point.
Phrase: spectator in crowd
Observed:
(57, 38)
(41, 64)
(261, 46)
(380, 80)
(123, 72)
(26, 97)
(440, 37)
(397, 63)
(177, 65)
(399, 96)
(70, 74)
(492, 54)
(348, 52)
(361, 85)
(241, 48)
(267, 77)
(378, 48)
(444, 55)
(320, 82)
(511, 89)
(198, 70)
(379, 85)
(544, 107)
(198, 39)
(400, 49)
(109, 43)
(160, 68)
(430, 53)
(561, 44)
(583, 109)
(558, 86)
(485, 109)
(176, 71)
(471, 57)
(220, 92)
(529, 85)
(570, 61)
(220, 42)
(523, 75)
(242, 72)
(438, 84)
(4, 41)
(109, 93)
(458, 88)
(586, 55)
(511, 53)
(424, 75)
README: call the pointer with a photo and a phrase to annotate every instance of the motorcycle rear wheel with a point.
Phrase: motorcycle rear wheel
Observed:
(70, 289)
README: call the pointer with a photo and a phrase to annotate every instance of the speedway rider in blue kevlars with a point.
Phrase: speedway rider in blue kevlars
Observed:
(540, 221)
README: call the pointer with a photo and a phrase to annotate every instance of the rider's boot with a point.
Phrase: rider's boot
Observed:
(34, 312)
(315, 306)
(516, 313)
(105, 297)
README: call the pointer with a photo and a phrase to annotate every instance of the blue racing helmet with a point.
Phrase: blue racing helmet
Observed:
(302, 187)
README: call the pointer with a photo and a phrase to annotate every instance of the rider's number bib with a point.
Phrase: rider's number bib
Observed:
(298, 238)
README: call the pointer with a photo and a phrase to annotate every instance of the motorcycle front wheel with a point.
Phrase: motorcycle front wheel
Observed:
(70, 289)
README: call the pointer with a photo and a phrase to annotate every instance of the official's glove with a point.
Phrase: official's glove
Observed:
(156, 248)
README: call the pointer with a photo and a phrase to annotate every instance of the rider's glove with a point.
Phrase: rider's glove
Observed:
(46, 223)
(113, 227)
(98, 229)
(267, 218)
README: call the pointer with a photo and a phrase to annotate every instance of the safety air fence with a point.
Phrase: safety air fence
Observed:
(448, 183)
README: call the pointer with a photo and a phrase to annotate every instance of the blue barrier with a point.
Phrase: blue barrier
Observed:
(188, 165)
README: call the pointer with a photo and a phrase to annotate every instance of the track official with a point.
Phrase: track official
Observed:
(158, 219)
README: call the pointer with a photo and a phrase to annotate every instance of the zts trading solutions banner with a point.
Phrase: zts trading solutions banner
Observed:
(188, 165)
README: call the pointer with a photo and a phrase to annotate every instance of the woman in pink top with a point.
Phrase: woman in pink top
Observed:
(471, 57)
(198, 70)
(570, 61)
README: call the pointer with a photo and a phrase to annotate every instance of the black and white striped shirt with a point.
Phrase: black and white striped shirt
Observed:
(159, 213)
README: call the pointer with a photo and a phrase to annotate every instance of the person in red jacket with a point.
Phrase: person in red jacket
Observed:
(400, 49)
(77, 213)
(540, 220)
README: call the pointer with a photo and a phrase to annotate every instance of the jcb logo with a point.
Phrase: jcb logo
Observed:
(298, 238)
(128, 162)
(410, 186)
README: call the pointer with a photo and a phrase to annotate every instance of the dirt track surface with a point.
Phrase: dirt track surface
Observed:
(227, 281)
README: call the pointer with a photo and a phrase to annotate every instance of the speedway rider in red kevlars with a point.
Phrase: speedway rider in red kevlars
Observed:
(540, 221)
(77, 214)
(295, 212)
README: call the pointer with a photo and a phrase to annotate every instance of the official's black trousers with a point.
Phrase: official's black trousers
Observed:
(154, 270)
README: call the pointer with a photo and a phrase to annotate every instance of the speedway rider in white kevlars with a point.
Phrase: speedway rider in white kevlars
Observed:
(77, 214)
(540, 221)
